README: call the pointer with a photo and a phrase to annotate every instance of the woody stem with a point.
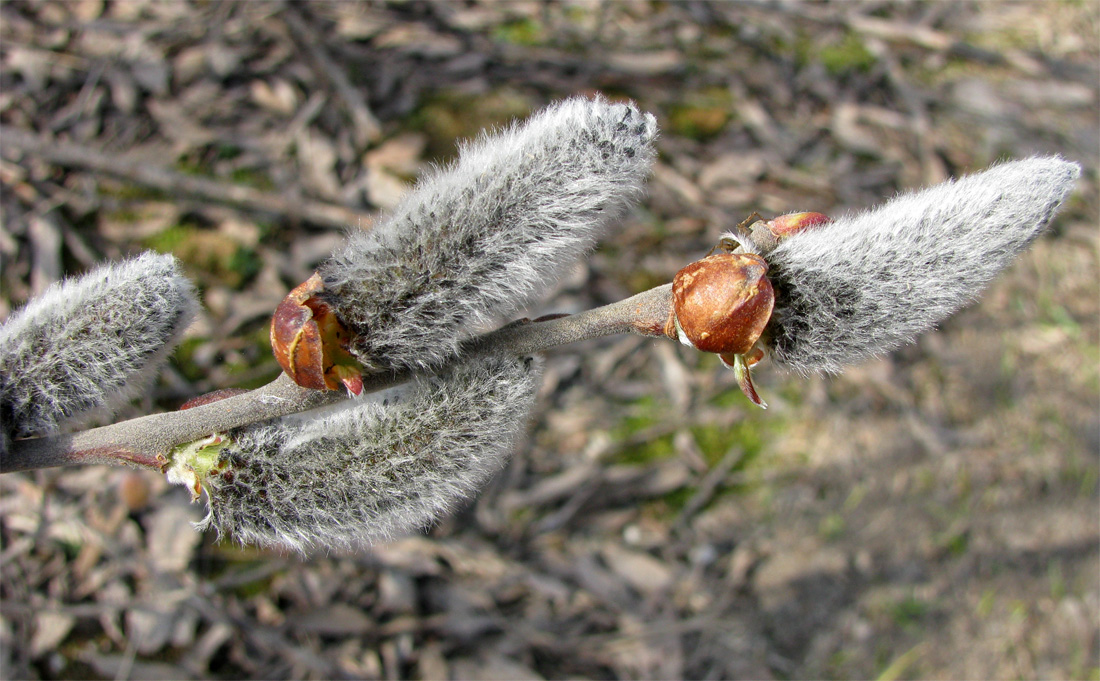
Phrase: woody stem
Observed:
(148, 441)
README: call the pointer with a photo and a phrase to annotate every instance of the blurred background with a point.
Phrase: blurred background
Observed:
(933, 513)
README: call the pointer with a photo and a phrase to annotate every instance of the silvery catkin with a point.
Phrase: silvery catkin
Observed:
(88, 343)
(868, 283)
(367, 471)
(484, 236)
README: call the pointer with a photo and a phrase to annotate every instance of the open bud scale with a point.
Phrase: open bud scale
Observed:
(310, 343)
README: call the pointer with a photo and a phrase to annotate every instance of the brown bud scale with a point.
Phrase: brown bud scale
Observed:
(723, 302)
(310, 343)
(295, 338)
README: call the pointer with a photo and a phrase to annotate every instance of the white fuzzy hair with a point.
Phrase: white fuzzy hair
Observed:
(367, 471)
(89, 343)
(486, 235)
(868, 283)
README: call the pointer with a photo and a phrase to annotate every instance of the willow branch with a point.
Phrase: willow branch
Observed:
(147, 442)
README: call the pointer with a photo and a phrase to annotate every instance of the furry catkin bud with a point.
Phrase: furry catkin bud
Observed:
(865, 284)
(89, 343)
(367, 471)
(484, 236)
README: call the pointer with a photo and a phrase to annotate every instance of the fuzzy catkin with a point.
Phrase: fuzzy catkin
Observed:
(368, 471)
(484, 236)
(868, 283)
(88, 343)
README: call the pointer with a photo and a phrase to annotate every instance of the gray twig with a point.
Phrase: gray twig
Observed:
(147, 442)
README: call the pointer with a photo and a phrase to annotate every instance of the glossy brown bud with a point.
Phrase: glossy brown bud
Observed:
(722, 303)
(310, 343)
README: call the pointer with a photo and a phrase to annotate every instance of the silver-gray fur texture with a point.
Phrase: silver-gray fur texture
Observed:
(367, 471)
(485, 236)
(87, 344)
(868, 283)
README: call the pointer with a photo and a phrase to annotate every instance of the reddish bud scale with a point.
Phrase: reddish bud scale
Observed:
(295, 338)
(723, 302)
(310, 343)
(792, 223)
(766, 235)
